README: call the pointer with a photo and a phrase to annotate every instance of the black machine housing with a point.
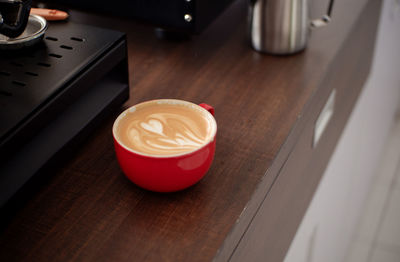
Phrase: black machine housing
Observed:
(190, 16)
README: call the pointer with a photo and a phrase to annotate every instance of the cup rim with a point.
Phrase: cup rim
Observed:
(133, 108)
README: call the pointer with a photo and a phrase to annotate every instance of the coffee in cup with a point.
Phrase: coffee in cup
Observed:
(165, 145)
(165, 128)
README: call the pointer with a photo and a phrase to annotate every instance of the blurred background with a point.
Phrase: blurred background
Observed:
(361, 221)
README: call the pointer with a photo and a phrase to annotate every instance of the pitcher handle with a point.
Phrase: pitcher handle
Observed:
(325, 19)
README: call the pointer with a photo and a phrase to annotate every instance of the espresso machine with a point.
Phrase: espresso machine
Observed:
(57, 82)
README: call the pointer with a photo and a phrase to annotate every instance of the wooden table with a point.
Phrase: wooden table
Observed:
(266, 169)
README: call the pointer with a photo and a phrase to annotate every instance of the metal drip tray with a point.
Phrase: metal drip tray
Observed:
(75, 72)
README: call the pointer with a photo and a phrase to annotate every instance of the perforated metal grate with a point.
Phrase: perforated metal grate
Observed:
(32, 79)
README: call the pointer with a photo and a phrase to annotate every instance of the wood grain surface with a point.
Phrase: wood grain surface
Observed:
(86, 210)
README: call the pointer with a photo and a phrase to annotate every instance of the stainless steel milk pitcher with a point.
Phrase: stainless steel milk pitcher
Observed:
(282, 26)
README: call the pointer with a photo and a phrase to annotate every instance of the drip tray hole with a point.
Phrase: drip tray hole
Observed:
(66, 47)
(51, 38)
(5, 93)
(16, 64)
(4, 73)
(18, 83)
(31, 74)
(55, 55)
(43, 64)
(78, 39)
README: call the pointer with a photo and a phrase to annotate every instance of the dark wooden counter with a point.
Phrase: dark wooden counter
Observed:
(248, 206)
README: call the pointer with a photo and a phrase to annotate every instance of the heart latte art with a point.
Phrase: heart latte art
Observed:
(164, 129)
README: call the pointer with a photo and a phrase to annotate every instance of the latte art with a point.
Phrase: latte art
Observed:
(164, 130)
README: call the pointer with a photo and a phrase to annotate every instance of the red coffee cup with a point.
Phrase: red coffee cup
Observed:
(170, 172)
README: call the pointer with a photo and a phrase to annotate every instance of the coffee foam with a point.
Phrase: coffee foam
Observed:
(167, 127)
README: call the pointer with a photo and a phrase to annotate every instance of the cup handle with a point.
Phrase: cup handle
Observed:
(208, 108)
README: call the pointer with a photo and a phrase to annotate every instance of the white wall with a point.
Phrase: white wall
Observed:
(331, 219)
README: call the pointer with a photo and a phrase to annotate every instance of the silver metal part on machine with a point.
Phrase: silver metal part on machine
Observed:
(33, 33)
